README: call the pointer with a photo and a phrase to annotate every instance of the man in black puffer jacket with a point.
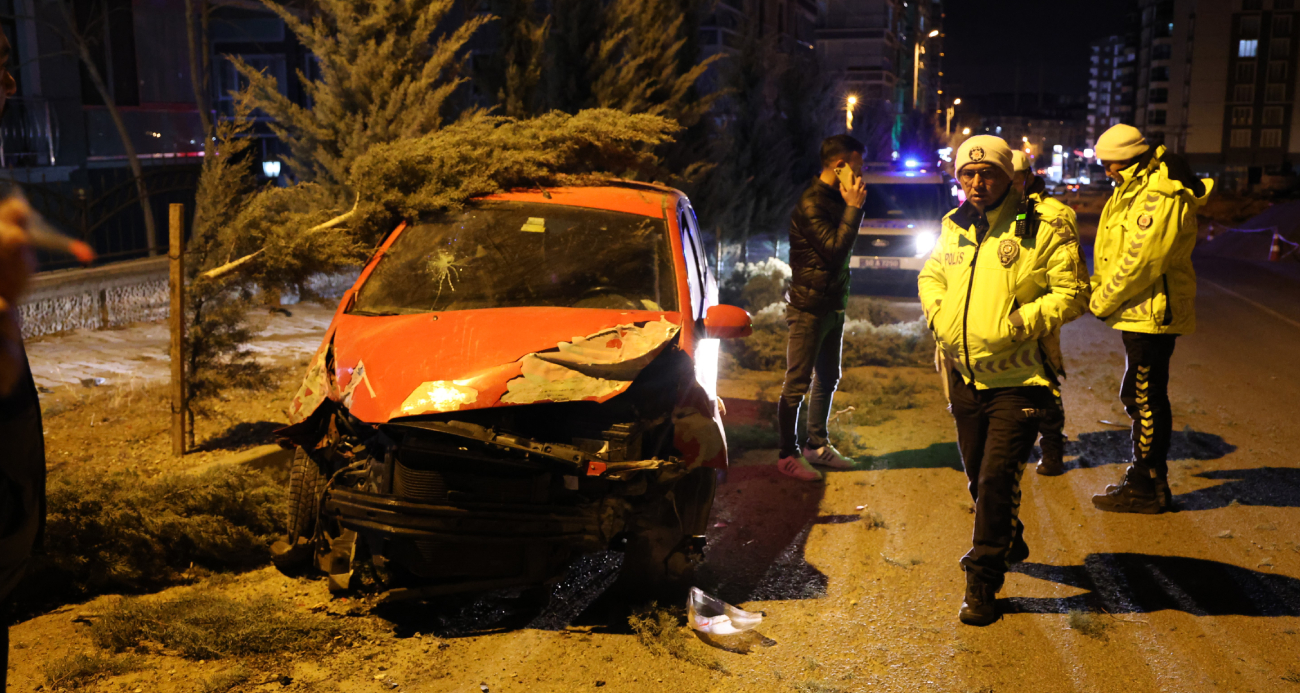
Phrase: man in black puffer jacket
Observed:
(823, 229)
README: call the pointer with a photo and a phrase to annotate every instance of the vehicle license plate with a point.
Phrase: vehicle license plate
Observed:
(865, 262)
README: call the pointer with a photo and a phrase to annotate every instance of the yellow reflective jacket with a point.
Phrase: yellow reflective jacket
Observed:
(970, 287)
(1051, 342)
(1143, 279)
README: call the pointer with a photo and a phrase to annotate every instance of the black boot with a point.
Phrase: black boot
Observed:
(979, 608)
(1166, 496)
(1019, 550)
(1135, 494)
(1053, 460)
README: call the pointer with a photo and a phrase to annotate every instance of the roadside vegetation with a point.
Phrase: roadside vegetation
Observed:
(207, 626)
(84, 668)
(876, 332)
(662, 631)
(121, 533)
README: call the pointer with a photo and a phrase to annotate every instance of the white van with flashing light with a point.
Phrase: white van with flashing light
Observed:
(900, 225)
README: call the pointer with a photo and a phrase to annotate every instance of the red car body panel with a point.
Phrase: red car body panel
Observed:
(479, 349)
(483, 350)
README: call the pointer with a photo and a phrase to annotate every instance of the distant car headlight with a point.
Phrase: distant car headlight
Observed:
(924, 243)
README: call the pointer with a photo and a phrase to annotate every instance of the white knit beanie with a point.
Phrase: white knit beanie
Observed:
(985, 149)
(1120, 143)
(1019, 160)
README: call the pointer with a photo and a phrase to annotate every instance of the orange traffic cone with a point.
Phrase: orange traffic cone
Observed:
(1275, 252)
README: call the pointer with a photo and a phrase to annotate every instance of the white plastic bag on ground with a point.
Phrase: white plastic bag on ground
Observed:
(711, 615)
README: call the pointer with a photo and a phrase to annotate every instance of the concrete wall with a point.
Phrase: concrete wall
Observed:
(120, 294)
(96, 298)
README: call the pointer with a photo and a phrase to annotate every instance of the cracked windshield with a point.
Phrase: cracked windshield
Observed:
(500, 255)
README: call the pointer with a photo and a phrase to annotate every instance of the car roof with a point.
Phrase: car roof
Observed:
(902, 177)
(631, 197)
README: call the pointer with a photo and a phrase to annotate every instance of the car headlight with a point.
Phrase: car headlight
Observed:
(706, 365)
(924, 243)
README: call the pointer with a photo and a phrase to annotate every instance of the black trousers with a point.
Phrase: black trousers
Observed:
(22, 508)
(812, 362)
(996, 429)
(1145, 394)
(1051, 428)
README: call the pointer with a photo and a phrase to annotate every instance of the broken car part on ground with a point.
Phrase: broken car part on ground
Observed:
(525, 380)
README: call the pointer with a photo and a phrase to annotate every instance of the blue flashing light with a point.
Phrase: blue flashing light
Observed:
(911, 163)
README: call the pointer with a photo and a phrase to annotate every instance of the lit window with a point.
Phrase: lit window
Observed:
(1241, 115)
(1240, 139)
(1270, 138)
(1246, 48)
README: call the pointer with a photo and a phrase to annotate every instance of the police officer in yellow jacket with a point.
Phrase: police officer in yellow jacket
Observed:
(1144, 286)
(1002, 276)
(1051, 427)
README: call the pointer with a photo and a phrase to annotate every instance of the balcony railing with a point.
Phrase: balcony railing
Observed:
(29, 134)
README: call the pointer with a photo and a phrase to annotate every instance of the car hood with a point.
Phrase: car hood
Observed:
(388, 367)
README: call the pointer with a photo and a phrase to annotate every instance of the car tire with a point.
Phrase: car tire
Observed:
(306, 483)
(650, 569)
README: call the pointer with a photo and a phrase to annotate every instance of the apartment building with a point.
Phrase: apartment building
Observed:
(1112, 84)
(884, 50)
(1240, 123)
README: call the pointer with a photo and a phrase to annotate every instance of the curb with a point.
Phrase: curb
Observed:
(268, 457)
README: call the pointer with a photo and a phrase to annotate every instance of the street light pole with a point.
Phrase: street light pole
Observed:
(947, 124)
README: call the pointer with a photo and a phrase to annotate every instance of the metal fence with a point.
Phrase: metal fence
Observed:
(101, 206)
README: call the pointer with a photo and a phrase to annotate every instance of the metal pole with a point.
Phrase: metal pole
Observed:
(176, 321)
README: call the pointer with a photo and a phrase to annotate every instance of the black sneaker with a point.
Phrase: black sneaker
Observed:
(1135, 494)
(979, 608)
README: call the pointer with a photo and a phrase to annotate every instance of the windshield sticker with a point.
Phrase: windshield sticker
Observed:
(534, 225)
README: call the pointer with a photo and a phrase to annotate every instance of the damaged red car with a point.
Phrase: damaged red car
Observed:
(525, 380)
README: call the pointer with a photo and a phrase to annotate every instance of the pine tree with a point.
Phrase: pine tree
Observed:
(375, 137)
(645, 63)
(764, 150)
(216, 309)
(513, 73)
(381, 78)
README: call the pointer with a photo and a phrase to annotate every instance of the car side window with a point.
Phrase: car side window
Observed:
(707, 283)
(691, 251)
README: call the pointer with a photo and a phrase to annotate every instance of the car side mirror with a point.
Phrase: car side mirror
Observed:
(727, 322)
